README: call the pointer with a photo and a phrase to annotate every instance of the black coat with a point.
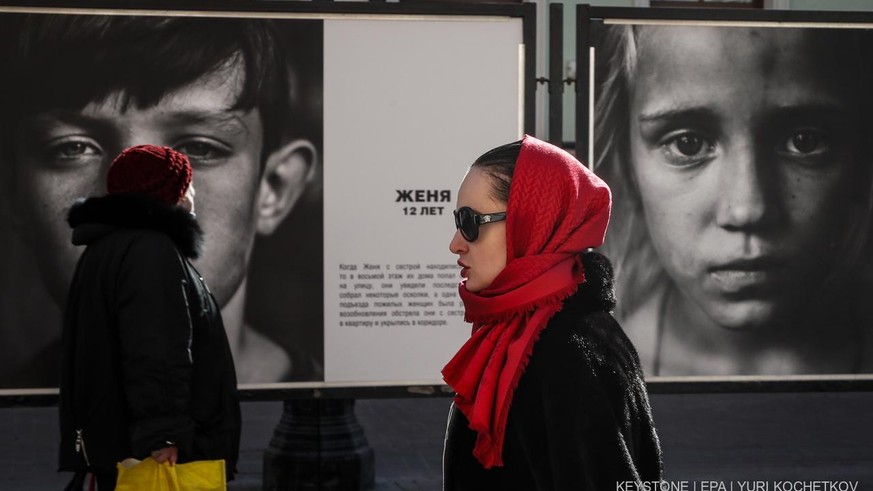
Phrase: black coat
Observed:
(580, 417)
(146, 359)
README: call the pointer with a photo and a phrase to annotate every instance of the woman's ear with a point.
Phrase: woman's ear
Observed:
(286, 173)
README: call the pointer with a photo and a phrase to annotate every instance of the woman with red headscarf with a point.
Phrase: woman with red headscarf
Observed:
(549, 392)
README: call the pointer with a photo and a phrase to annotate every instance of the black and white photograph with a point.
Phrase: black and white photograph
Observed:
(305, 148)
(740, 161)
(241, 97)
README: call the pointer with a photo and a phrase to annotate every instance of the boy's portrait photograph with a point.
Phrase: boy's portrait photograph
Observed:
(740, 162)
(240, 97)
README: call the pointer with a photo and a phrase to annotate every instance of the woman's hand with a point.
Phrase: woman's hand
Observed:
(165, 454)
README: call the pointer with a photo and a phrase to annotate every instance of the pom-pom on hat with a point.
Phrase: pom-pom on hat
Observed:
(159, 172)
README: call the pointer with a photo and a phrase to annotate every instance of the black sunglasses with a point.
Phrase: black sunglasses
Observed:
(468, 221)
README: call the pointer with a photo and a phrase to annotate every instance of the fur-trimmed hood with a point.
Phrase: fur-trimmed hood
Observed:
(93, 218)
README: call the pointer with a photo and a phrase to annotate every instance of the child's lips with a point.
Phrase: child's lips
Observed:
(744, 275)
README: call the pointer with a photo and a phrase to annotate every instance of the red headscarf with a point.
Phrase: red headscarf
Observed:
(557, 209)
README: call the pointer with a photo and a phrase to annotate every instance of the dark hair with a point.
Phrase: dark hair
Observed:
(68, 61)
(499, 163)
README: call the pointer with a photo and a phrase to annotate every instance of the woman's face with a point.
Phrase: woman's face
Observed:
(482, 259)
(741, 142)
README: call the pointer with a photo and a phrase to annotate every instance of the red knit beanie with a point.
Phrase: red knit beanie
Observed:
(159, 172)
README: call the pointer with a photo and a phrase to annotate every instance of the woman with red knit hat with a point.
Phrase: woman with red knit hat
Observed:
(549, 392)
(147, 368)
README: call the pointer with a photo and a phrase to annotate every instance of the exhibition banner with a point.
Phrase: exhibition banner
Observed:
(328, 143)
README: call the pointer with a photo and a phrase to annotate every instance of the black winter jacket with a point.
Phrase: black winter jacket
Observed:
(580, 417)
(146, 359)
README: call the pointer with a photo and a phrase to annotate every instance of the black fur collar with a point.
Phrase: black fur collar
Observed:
(92, 218)
(598, 290)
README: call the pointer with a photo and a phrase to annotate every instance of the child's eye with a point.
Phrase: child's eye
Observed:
(805, 142)
(687, 148)
(202, 150)
(687, 145)
(73, 149)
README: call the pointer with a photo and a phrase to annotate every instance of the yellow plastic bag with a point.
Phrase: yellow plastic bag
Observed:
(148, 475)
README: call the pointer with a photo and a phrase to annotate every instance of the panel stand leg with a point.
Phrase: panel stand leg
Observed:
(318, 445)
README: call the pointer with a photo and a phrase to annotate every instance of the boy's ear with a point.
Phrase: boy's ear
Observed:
(286, 173)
